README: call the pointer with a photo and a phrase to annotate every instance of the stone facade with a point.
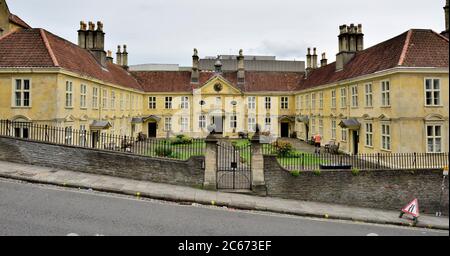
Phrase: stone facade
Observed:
(384, 189)
(186, 173)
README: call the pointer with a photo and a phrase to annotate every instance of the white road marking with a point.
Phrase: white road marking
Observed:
(73, 234)
(372, 234)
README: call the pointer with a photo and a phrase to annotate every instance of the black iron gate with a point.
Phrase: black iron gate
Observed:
(234, 166)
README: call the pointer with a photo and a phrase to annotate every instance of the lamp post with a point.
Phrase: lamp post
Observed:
(445, 174)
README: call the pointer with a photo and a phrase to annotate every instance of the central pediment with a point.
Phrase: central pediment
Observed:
(218, 85)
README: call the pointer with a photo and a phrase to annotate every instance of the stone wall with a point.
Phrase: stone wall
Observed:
(384, 189)
(186, 173)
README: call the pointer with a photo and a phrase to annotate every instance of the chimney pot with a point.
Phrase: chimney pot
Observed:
(91, 26)
(99, 26)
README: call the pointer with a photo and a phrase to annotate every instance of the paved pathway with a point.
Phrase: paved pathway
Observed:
(185, 194)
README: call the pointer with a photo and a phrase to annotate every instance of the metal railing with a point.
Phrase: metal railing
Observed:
(173, 148)
(377, 161)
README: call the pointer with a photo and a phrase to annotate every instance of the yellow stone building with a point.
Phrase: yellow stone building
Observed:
(391, 97)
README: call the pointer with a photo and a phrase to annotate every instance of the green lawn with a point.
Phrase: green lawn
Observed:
(179, 152)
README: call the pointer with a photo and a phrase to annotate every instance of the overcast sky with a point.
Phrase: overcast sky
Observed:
(166, 31)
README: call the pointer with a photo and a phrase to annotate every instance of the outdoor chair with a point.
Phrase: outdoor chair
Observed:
(335, 148)
(329, 146)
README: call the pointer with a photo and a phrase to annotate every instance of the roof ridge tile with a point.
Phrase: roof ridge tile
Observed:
(49, 49)
(405, 48)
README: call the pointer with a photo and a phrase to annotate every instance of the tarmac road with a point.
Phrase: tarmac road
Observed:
(41, 210)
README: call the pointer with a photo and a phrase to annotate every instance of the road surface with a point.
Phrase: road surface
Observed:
(42, 210)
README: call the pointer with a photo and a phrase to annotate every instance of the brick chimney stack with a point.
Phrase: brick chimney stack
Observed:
(446, 31)
(323, 61)
(195, 74)
(125, 57)
(109, 58)
(351, 40)
(314, 59)
(308, 60)
(82, 35)
(241, 67)
(93, 40)
(119, 56)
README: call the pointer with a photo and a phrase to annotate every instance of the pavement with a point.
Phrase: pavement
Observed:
(28, 209)
(145, 189)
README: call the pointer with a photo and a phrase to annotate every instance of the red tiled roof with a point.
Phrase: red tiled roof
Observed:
(24, 48)
(272, 81)
(40, 48)
(180, 81)
(18, 21)
(414, 48)
(164, 81)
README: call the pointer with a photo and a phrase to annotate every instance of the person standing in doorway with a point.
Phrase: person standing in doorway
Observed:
(317, 143)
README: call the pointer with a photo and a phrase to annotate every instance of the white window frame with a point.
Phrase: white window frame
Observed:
(368, 89)
(202, 121)
(113, 100)
(313, 101)
(68, 135)
(83, 135)
(302, 102)
(22, 92)
(355, 97)
(184, 124)
(251, 124)
(385, 93)
(83, 96)
(369, 134)
(184, 102)
(268, 123)
(386, 137)
(168, 104)
(251, 102)
(434, 138)
(104, 99)
(152, 102)
(344, 134)
(95, 97)
(321, 100)
(268, 102)
(168, 124)
(122, 102)
(69, 94)
(343, 99)
(333, 99)
(233, 121)
(284, 102)
(432, 91)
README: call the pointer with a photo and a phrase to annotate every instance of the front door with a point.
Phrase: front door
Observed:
(152, 130)
(284, 130)
(355, 142)
(218, 122)
(94, 138)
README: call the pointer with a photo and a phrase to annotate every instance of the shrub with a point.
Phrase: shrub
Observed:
(296, 173)
(317, 172)
(181, 140)
(163, 151)
(283, 148)
(355, 172)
